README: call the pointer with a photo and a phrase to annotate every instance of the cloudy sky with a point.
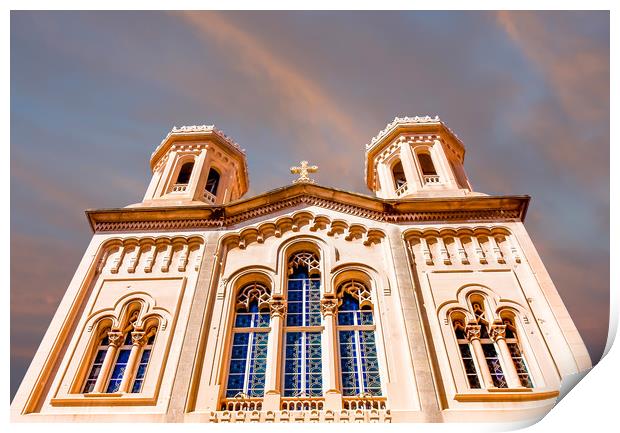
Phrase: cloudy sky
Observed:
(93, 94)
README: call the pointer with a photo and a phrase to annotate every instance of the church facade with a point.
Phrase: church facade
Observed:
(426, 302)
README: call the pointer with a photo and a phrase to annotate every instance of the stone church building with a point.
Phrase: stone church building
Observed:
(425, 302)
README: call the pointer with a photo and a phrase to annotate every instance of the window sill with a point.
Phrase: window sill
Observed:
(506, 394)
(104, 399)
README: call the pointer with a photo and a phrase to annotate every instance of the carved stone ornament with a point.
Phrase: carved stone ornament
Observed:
(277, 307)
(497, 332)
(472, 332)
(138, 338)
(115, 338)
(329, 306)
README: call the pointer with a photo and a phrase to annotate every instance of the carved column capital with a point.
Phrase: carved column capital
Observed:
(138, 338)
(277, 307)
(115, 338)
(498, 331)
(472, 331)
(329, 306)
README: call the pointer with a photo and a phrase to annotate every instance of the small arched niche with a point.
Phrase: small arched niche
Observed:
(185, 173)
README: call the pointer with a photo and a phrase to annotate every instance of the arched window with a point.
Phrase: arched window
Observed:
(185, 173)
(97, 363)
(515, 352)
(213, 181)
(248, 359)
(426, 164)
(122, 356)
(399, 175)
(488, 346)
(458, 323)
(359, 365)
(302, 348)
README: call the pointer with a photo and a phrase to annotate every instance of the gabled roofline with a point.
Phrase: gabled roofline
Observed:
(475, 208)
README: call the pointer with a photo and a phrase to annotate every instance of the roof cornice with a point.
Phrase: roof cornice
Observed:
(416, 210)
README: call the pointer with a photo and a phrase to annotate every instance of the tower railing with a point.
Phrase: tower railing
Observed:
(402, 189)
(431, 178)
(209, 197)
(179, 187)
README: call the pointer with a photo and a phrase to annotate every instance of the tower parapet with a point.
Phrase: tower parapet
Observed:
(196, 165)
(416, 156)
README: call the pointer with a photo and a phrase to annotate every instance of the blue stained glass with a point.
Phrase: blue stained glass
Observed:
(359, 364)
(248, 363)
(140, 373)
(119, 370)
(89, 385)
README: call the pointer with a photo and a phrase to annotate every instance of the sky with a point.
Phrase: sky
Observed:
(94, 93)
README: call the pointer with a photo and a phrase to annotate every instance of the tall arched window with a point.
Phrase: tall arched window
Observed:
(488, 346)
(97, 364)
(458, 323)
(248, 359)
(516, 354)
(213, 181)
(302, 348)
(426, 164)
(359, 365)
(185, 173)
(398, 173)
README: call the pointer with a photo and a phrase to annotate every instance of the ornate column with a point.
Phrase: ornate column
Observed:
(498, 334)
(472, 331)
(461, 250)
(271, 399)
(138, 340)
(333, 396)
(443, 250)
(426, 252)
(116, 339)
(496, 250)
(478, 249)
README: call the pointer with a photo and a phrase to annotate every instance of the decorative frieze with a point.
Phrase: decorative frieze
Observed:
(136, 255)
(463, 246)
(296, 222)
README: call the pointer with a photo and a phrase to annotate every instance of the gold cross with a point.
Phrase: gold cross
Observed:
(303, 171)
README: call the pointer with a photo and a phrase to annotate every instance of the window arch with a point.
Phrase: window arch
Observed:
(426, 164)
(302, 343)
(185, 173)
(248, 359)
(359, 364)
(398, 173)
(213, 181)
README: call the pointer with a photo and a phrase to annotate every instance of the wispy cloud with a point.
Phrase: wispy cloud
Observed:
(574, 65)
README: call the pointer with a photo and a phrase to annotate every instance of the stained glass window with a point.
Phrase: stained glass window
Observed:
(517, 355)
(466, 355)
(302, 348)
(248, 360)
(495, 367)
(359, 365)
(95, 369)
(120, 365)
(144, 362)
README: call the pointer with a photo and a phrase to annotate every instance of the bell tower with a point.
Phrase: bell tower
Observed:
(196, 165)
(416, 157)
